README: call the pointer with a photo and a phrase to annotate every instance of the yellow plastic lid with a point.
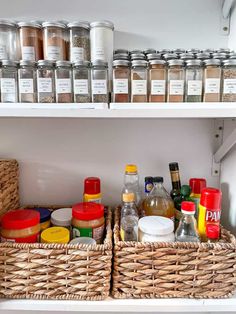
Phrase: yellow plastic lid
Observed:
(131, 168)
(128, 197)
(55, 235)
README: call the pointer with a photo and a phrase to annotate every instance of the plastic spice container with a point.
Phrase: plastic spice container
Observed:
(63, 76)
(45, 81)
(100, 82)
(194, 81)
(79, 41)
(175, 81)
(212, 80)
(31, 42)
(21, 226)
(82, 82)
(156, 229)
(9, 43)
(88, 221)
(139, 77)
(229, 80)
(9, 82)
(54, 41)
(62, 217)
(45, 216)
(83, 240)
(157, 79)
(27, 80)
(121, 81)
(92, 190)
(55, 235)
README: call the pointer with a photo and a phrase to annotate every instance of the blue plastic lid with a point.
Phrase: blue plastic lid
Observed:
(45, 214)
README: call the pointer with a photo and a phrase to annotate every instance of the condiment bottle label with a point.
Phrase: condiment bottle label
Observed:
(213, 215)
(121, 86)
(212, 86)
(139, 87)
(44, 85)
(176, 87)
(8, 88)
(194, 87)
(99, 53)
(229, 86)
(28, 53)
(3, 52)
(26, 86)
(53, 53)
(77, 54)
(81, 87)
(95, 233)
(99, 87)
(63, 86)
(158, 87)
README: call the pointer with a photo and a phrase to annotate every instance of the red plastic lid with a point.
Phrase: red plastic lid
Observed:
(197, 184)
(211, 198)
(20, 219)
(188, 206)
(92, 185)
(212, 231)
(87, 211)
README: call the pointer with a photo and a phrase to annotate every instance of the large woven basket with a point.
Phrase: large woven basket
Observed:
(173, 270)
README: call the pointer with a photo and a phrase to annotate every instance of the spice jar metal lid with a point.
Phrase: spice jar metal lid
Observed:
(163, 51)
(137, 56)
(149, 50)
(208, 50)
(27, 63)
(82, 24)
(174, 62)
(156, 61)
(48, 63)
(169, 56)
(224, 50)
(179, 50)
(121, 56)
(156, 225)
(232, 56)
(7, 23)
(29, 24)
(203, 55)
(219, 55)
(212, 62)
(122, 51)
(63, 63)
(139, 63)
(82, 64)
(152, 56)
(104, 23)
(120, 63)
(195, 62)
(53, 24)
(136, 51)
(186, 56)
(9, 63)
(229, 62)
(194, 50)
(99, 63)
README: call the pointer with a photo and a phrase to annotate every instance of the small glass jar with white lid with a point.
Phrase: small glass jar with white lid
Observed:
(63, 81)
(9, 81)
(82, 82)
(194, 81)
(79, 41)
(45, 81)
(139, 79)
(99, 82)
(27, 79)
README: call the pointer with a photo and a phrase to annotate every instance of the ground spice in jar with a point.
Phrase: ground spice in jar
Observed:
(229, 80)
(157, 79)
(212, 80)
(63, 75)
(194, 81)
(100, 82)
(139, 76)
(79, 41)
(175, 81)
(82, 82)
(27, 81)
(46, 81)
(121, 81)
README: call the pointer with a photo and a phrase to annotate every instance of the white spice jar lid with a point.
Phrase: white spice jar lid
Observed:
(104, 23)
(156, 225)
(61, 217)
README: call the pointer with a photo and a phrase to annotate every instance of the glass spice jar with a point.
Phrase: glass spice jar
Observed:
(121, 81)
(79, 41)
(157, 80)
(229, 80)
(9, 43)
(45, 81)
(27, 80)
(99, 82)
(82, 82)
(194, 81)
(63, 80)
(212, 80)
(9, 84)
(139, 77)
(31, 42)
(54, 41)
(175, 91)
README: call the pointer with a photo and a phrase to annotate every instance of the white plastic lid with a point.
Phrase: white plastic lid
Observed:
(62, 217)
(156, 225)
(83, 240)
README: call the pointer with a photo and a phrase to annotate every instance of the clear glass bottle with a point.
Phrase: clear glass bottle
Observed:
(9, 83)
(187, 229)
(82, 82)
(131, 182)
(194, 81)
(99, 82)
(176, 74)
(63, 80)
(27, 80)
(229, 80)
(9, 41)
(157, 80)
(45, 81)
(121, 81)
(139, 77)
(79, 41)
(212, 80)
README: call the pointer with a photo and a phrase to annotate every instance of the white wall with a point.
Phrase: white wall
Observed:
(232, 35)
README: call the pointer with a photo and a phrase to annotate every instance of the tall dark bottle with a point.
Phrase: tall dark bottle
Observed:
(175, 179)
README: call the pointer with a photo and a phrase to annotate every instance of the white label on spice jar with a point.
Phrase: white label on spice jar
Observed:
(77, 54)
(99, 53)
(8, 88)
(176, 87)
(28, 53)
(99, 87)
(194, 87)
(121, 86)
(3, 52)
(26, 86)
(229, 86)
(44, 85)
(139, 87)
(212, 86)
(158, 87)
(81, 87)
(63, 86)
(54, 53)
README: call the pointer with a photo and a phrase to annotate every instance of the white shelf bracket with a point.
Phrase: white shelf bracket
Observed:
(227, 145)
(218, 140)
(225, 18)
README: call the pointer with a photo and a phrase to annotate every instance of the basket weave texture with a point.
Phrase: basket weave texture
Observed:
(173, 270)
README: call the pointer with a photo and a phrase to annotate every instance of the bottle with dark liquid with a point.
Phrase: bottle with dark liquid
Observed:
(175, 179)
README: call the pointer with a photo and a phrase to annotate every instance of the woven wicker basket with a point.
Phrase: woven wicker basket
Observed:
(173, 270)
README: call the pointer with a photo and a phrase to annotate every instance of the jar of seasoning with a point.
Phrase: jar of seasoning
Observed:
(79, 41)
(139, 77)
(157, 79)
(82, 82)
(212, 80)
(229, 80)
(45, 216)
(9, 44)
(121, 81)
(54, 41)
(27, 79)
(31, 41)
(176, 73)
(88, 221)
(99, 82)
(55, 235)
(63, 76)
(194, 81)
(45, 81)
(62, 217)
(9, 82)
(20, 226)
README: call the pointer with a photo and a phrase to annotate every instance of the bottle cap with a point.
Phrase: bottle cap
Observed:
(212, 231)
(197, 184)
(55, 235)
(148, 179)
(173, 166)
(131, 168)
(211, 198)
(185, 190)
(128, 197)
(158, 180)
(61, 217)
(87, 211)
(188, 207)
(44, 213)
(92, 185)
(20, 219)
